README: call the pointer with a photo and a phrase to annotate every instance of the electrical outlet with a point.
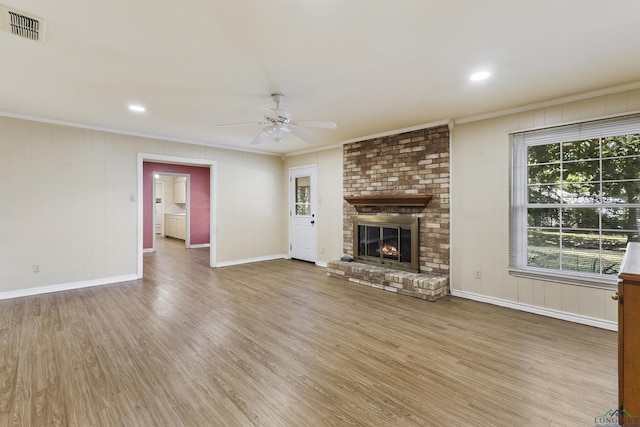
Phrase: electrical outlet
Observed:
(321, 250)
(36, 268)
(478, 274)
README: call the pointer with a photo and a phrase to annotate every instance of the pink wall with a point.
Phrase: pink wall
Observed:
(199, 190)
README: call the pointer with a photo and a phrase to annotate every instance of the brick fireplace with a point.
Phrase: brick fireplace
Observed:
(404, 175)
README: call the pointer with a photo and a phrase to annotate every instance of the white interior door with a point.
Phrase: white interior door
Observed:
(302, 213)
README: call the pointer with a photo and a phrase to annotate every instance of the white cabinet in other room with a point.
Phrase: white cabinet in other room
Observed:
(180, 190)
(175, 226)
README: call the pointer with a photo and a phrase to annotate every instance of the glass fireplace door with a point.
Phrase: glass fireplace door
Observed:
(391, 241)
(369, 241)
(383, 242)
(389, 246)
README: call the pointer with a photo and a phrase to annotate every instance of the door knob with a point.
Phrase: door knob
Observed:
(615, 297)
(313, 222)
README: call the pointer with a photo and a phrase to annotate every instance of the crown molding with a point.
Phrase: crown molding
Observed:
(130, 133)
(544, 104)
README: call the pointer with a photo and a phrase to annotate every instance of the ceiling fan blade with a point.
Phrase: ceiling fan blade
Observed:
(260, 138)
(304, 136)
(316, 124)
(240, 124)
(269, 113)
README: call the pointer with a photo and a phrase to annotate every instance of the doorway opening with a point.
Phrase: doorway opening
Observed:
(199, 206)
(171, 207)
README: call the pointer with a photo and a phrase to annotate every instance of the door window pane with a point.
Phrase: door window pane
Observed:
(303, 195)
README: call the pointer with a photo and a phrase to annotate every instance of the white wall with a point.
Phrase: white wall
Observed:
(68, 203)
(480, 212)
(251, 217)
(329, 214)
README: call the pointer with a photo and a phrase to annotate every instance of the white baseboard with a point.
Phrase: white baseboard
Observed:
(570, 317)
(148, 250)
(322, 264)
(249, 260)
(200, 245)
(66, 286)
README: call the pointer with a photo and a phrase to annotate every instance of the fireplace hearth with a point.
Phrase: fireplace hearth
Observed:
(388, 241)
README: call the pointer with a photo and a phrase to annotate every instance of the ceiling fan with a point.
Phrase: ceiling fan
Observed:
(280, 123)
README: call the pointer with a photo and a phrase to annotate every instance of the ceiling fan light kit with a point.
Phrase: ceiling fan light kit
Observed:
(278, 132)
(279, 124)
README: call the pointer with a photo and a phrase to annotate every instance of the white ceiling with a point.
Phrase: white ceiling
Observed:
(371, 66)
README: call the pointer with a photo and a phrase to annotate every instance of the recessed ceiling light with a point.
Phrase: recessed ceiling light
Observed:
(137, 108)
(480, 76)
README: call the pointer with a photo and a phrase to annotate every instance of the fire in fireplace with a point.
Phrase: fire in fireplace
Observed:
(391, 241)
(389, 251)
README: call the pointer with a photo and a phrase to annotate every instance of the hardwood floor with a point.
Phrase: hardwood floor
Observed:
(278, 343)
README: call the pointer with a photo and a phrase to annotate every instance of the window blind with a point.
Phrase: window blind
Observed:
(579, 131)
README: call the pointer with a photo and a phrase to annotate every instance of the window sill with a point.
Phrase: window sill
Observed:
(599, 282)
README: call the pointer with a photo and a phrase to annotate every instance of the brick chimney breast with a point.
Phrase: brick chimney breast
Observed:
(411, 163)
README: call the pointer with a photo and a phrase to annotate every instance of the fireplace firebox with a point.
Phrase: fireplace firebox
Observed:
(390, 241)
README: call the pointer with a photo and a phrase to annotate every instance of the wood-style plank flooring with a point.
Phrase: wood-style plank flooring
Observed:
(278, 343)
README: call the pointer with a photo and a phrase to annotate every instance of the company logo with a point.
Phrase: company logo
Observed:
(613, 418)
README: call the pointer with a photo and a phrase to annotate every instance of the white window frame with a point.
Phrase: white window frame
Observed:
(519, 205)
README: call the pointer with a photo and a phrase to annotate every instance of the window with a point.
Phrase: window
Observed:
(575, 201)
(303, 193)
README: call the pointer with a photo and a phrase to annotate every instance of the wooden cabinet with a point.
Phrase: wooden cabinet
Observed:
(628, 297)
(175, 226)
(180, 190)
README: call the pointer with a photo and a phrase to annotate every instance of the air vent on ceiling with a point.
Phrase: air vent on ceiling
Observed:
(21, 24)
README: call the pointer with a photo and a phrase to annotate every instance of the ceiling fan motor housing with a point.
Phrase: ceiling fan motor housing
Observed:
(280, 117)
(277, 98)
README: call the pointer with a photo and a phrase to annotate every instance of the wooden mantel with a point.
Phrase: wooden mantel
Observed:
(407, 200)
